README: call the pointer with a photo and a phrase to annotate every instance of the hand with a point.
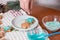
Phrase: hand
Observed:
(24, 4)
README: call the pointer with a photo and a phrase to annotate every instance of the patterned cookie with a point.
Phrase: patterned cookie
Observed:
(30, 20)
(7, 28)
(25, 25)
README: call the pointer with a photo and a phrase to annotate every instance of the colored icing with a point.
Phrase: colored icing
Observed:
(6, 28)
(30, 20)
(53, 25)
(36, 36)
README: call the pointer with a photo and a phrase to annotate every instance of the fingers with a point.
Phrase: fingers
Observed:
(24, 4)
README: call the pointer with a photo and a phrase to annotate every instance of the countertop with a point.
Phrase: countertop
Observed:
(39, 12)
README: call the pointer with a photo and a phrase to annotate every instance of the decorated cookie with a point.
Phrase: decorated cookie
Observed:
(30, 20)
(11, 29)
(7, 28)
(25, 25)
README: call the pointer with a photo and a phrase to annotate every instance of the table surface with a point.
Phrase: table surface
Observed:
(39, 12)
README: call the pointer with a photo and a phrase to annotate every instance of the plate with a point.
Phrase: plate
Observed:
(19, 19)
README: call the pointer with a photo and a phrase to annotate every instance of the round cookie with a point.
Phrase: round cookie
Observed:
(25, 25)
(30, 20)
(7, 28)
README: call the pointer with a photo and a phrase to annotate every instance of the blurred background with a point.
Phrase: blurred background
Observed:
(14, 4)
(9, 5)
(55, 4)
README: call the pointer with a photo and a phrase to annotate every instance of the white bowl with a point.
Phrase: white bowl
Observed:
(51, 18)
(19, 19)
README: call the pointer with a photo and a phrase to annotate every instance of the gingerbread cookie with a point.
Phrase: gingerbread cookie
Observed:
(25, 25)
(7, 28)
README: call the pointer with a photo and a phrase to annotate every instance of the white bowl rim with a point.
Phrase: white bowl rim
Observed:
(45, 24)
(36, 23)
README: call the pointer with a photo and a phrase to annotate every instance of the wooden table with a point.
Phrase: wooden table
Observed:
(39, 12)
